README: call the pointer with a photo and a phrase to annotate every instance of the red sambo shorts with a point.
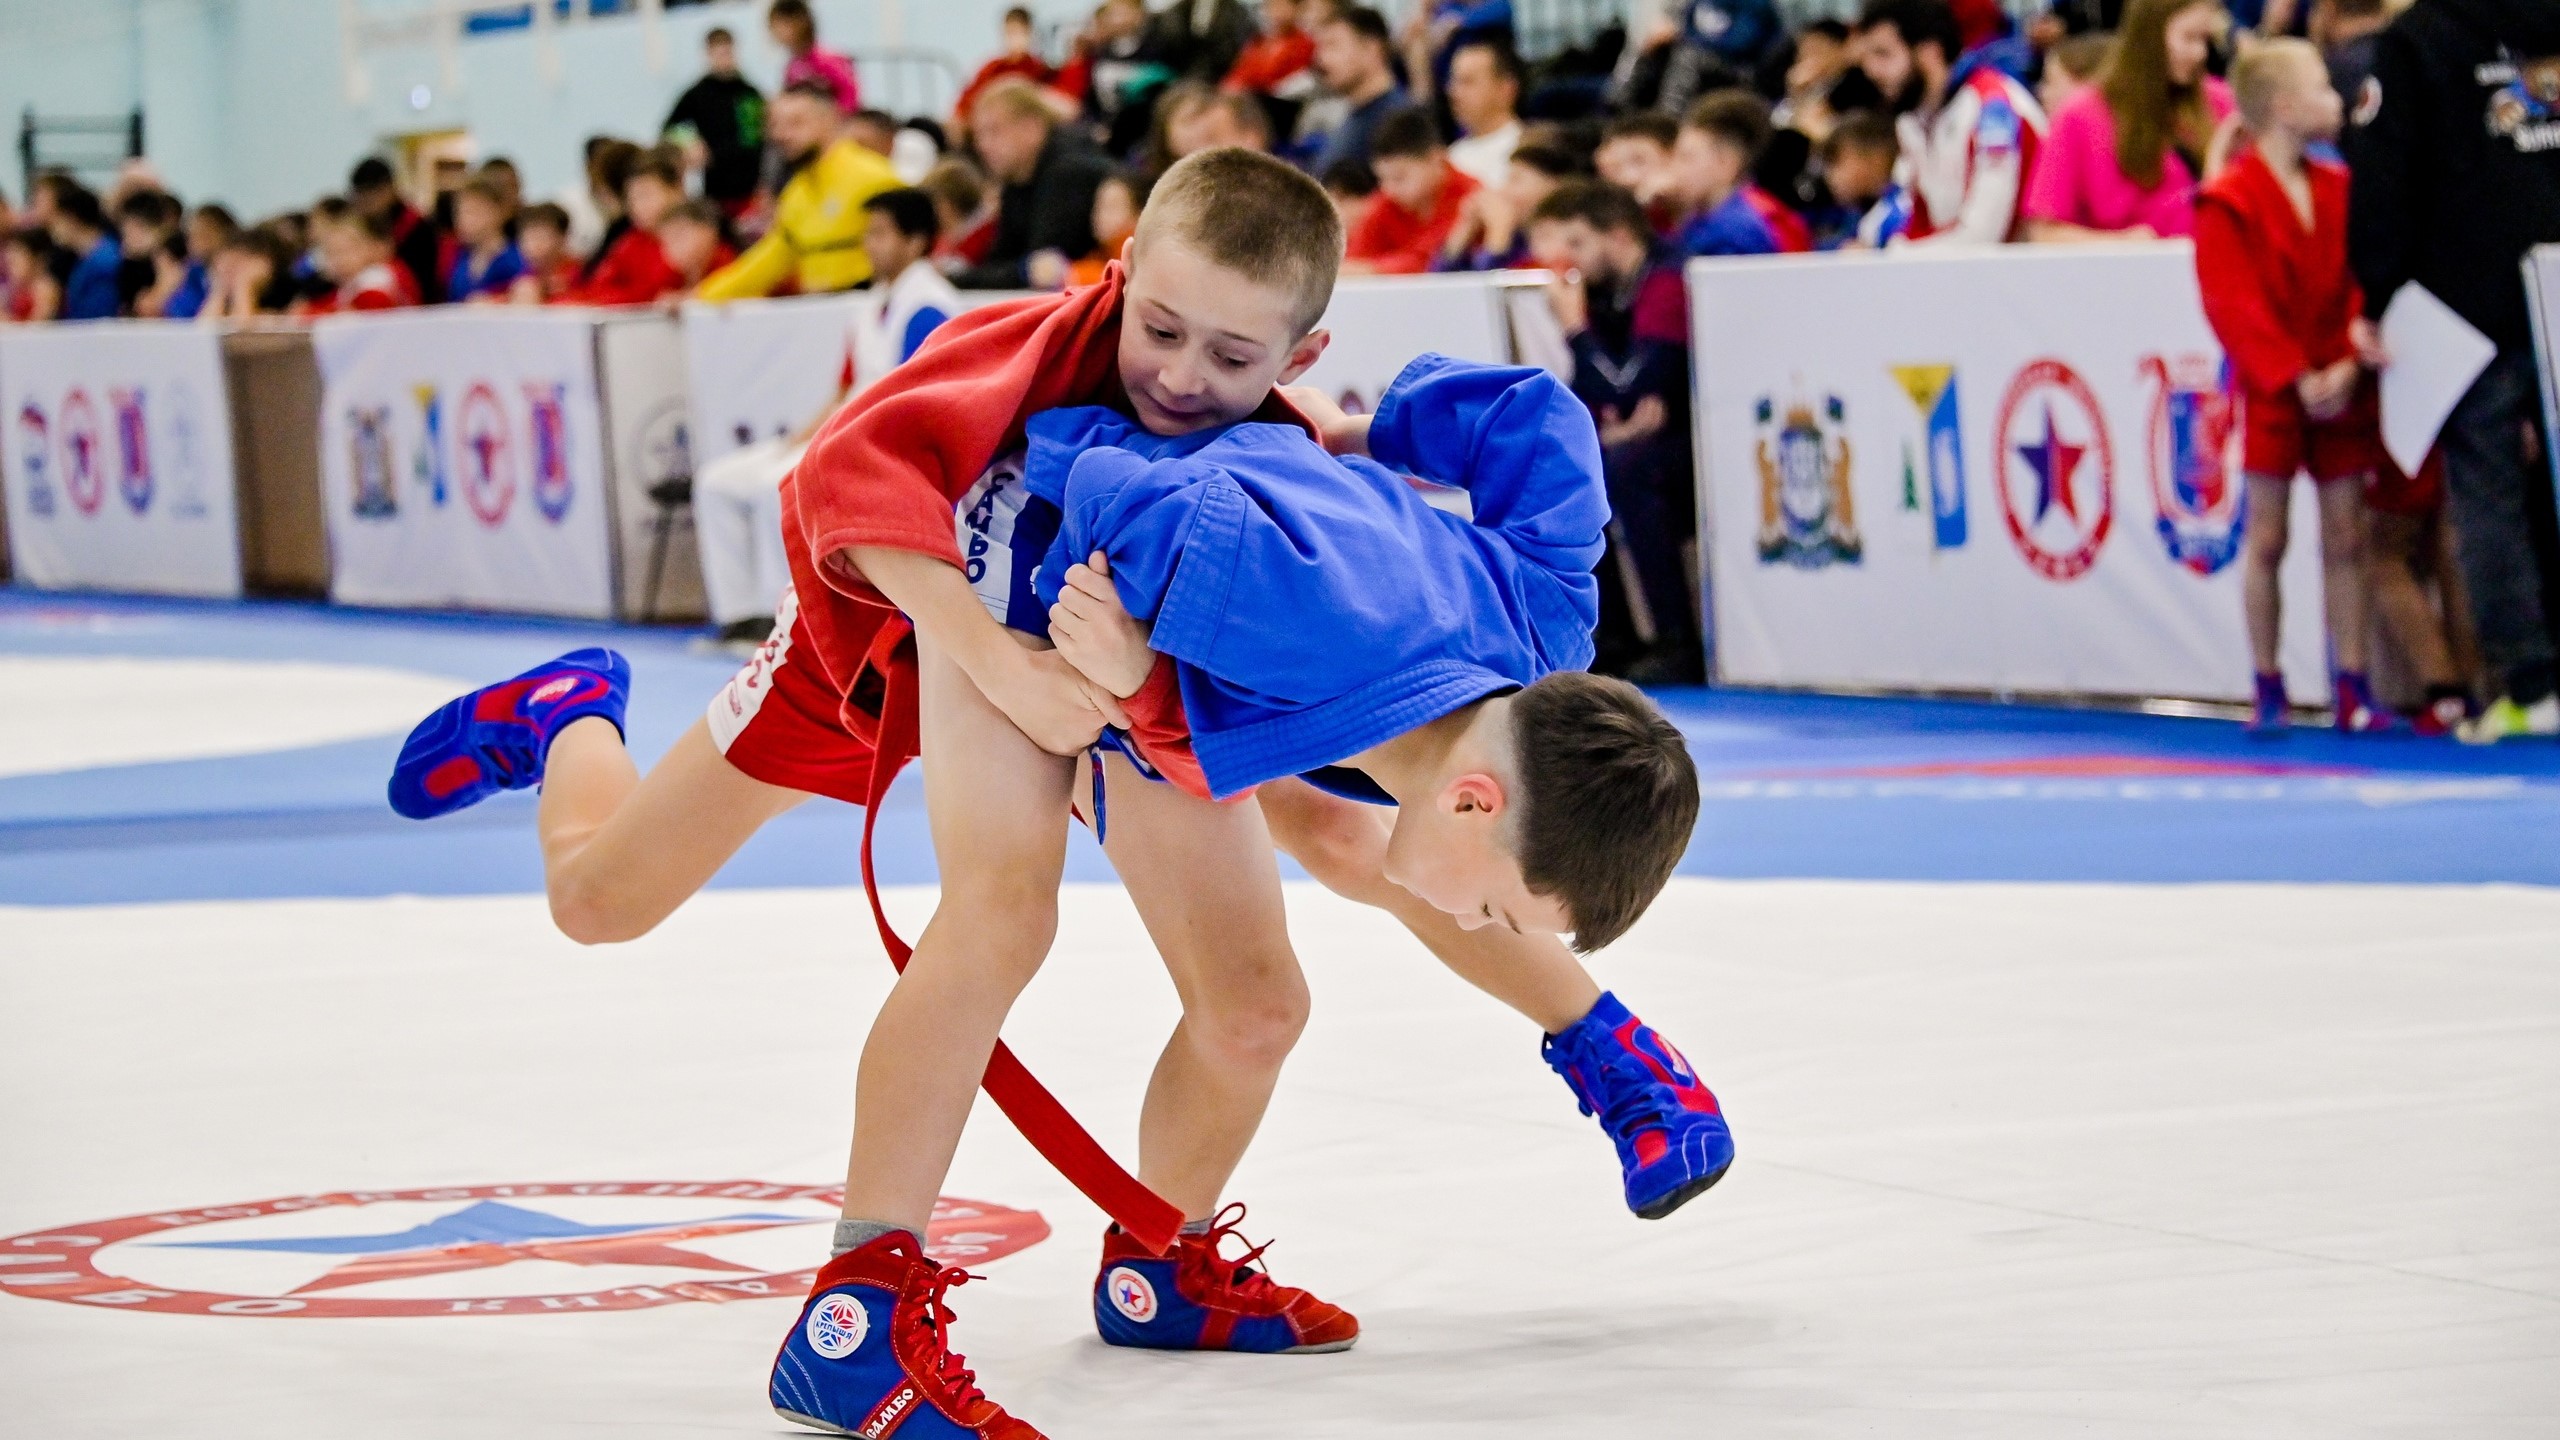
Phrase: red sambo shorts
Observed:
(780, 721)
(2283, 442)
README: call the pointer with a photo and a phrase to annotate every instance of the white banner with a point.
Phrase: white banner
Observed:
(2009, 470)
(1380, 323)
(762, 369)
(463, 454)
(117, 458)
(2542, 291)
(648, 441)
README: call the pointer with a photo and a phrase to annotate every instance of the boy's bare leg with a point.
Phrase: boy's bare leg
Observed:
(620, 853)
(998, 808)
(1343, 844)
(1208, 888)
(2343, 563)
(2262, 555)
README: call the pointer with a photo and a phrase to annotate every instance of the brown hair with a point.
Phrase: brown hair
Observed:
(1249, 213)
(1866, 130)
(485, 187)
(662, 163)
(2083, 55)
(1016, 99)
(338, 210)
(1407, 134)
(1596, 203)
(691, 212)
(544, 214)
(1650, 125)
(1737, 117)
(2150, 113)
(956, 183)
(1608, 798)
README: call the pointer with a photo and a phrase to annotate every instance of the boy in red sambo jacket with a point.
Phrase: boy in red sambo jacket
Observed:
(873, 550)
(2271, 258)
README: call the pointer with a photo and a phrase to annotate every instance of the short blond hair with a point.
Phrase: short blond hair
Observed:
(1016, 99)
(2263, 70)
(1249, 213)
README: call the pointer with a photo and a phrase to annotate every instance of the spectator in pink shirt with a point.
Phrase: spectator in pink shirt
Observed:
(796, 30)
(2125, 155)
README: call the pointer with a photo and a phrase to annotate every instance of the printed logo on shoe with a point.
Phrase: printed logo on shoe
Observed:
(837, 1325)
(1130, 1293)
(891, 1411)
(552, 690)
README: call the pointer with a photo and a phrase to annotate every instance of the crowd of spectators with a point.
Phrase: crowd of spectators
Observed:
(1911, 125)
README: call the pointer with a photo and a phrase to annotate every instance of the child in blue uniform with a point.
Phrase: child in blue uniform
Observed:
(1318, 618)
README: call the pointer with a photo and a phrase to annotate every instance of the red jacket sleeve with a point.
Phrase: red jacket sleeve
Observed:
(886, 469)
(2264, 353)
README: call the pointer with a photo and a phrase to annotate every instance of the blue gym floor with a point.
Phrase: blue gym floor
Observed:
(1797, 786)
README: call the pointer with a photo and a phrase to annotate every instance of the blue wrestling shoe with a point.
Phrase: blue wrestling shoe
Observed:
(1193, 1298)
(495, 738)
(1671, 1136)
(871, 1353)
(2270, 712)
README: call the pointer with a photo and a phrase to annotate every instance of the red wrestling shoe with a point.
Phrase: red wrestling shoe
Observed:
(1193, 1298)
(871, 1354)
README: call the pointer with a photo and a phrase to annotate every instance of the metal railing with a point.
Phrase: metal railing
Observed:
(92, 137)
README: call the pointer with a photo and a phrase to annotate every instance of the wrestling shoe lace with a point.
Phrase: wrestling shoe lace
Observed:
(948, 1368)
(1634, 1102)
(1250, 1286)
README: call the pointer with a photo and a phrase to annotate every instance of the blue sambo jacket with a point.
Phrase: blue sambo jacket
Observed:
(1316, 605)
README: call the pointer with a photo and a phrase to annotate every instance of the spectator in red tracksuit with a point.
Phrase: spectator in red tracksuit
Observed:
(634, 269)
(2271, 257)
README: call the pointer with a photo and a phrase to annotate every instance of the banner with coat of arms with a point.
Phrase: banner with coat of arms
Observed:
(115, 457)
(463, 453)
(2012, 469)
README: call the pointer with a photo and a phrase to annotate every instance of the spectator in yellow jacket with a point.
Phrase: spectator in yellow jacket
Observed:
(818, 220)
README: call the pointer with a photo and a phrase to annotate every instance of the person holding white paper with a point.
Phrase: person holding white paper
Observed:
(2455, 154)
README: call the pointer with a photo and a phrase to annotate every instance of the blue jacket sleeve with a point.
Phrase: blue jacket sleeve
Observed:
(924, 322)
(1515, 439)
(1283, 599)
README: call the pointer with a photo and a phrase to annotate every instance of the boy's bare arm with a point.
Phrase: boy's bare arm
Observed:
(1039, 691)
(1341, 433)
(1096, 634)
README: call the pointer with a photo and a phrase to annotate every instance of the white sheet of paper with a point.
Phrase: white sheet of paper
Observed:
(2435, 355)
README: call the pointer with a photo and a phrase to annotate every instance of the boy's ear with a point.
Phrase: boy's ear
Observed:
(1304, 354)
(1129, 253)
(1475, 793)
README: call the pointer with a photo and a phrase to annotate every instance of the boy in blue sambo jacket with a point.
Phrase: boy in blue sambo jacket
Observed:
(1265, 609)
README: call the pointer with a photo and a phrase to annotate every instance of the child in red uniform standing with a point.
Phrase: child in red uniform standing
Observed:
(2271, 254)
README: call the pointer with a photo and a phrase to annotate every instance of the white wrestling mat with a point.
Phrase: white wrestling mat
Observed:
(2024, 1161)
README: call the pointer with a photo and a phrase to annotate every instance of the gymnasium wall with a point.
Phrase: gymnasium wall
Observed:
(246, 101)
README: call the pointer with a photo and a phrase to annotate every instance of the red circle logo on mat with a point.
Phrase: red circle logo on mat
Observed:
(488, 468)
(2056, 469)
(475, 1250)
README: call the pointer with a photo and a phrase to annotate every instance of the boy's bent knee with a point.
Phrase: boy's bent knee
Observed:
(593, 914)
(1336, 841)
(1254, 1031)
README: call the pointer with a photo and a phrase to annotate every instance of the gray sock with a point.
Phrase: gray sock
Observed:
(1198, 1227)
(854, 1234)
